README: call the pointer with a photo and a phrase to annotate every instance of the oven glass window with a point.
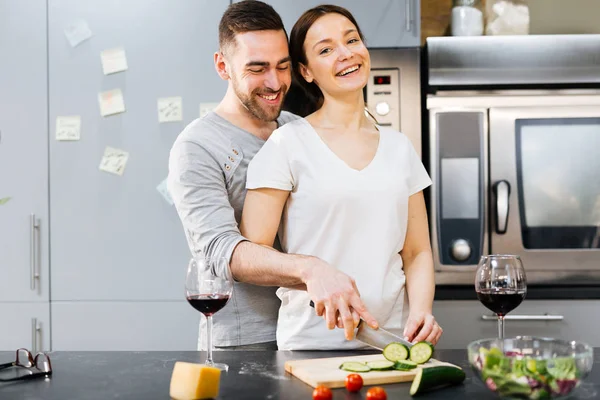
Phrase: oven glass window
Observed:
(460, 188)
(559, 182)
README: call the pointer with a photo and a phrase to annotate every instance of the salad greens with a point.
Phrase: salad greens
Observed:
(511, 374)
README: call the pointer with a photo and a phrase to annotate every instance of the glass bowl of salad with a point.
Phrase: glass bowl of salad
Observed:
(531, 367)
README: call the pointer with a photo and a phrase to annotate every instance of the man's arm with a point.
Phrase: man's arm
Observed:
(197, 185)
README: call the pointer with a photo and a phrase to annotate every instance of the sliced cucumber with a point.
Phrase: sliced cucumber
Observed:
(405, 365)
(382, 365)
(395, 352)
(355, 366)
(421, 352)
(436, 377)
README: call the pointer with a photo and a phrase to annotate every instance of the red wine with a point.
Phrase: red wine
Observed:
(501, 302)
(208, 304)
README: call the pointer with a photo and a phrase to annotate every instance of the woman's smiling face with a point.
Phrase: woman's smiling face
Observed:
(337, 59)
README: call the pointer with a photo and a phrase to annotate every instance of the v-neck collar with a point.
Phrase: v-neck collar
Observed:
(338, 158)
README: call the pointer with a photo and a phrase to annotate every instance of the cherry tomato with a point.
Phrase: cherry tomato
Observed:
(354, 382)
(376, 393)
(322, 393)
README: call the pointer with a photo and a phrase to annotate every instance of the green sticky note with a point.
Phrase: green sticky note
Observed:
(4, 200)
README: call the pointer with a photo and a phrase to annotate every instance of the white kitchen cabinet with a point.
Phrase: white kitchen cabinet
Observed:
(24, 273)
(24, 325)
(462, 321)
(23, 152)
(115, 326)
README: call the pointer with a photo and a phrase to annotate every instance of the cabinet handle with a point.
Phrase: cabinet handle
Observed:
(34, 251)
(36, 331)
(408, 12)
(544, 317)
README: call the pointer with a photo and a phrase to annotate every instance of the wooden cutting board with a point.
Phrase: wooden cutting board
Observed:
(326, 371)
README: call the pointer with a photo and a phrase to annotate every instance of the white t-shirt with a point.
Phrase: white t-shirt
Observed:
(354, 220)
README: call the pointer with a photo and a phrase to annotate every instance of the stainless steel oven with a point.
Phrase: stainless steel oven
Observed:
(515, 159)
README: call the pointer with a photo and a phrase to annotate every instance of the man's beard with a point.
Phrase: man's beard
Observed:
(252, 103)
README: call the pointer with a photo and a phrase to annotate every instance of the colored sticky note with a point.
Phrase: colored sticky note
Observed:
(114, 161)
(170, 109)
(205, 108)
(164, 191)
(113, 60)
(111, 102)
(68, 128)
(4, 200)
(77, 32)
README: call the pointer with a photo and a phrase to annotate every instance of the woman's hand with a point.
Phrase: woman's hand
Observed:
(422, 326)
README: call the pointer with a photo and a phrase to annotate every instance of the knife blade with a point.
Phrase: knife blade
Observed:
(376, 338)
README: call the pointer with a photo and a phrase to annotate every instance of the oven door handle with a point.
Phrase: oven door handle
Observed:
(502, 193)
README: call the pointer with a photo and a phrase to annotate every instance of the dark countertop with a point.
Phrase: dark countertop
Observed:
(252, 375)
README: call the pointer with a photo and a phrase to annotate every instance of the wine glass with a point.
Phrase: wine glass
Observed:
(208, 287)
(501, 285)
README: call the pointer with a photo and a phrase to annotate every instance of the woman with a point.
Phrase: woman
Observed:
(346, 191)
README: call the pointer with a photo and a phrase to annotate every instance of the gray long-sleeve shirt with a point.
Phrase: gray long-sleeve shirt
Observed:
(207, 181)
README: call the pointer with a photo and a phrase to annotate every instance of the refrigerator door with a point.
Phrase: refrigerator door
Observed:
(114, 236)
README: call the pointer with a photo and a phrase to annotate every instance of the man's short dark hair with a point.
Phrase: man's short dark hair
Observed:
(247, 16)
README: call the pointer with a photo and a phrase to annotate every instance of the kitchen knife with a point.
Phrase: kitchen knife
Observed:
(377, 338)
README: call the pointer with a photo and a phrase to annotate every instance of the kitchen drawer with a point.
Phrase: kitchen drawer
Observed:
(462, 321)
(25, 325)
(141, 326)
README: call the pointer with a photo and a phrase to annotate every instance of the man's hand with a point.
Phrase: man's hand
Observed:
(336, 297)
(422, 326)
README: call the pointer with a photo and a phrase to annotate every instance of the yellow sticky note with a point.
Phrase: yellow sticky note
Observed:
(111, 102)
(170, 109)
(68, 128)
(113, 60)
(114, 161)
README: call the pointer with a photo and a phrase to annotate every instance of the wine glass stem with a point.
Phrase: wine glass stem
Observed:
(501, 326)
(209, 346)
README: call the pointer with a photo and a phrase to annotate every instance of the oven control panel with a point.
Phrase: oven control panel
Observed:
(383, 96)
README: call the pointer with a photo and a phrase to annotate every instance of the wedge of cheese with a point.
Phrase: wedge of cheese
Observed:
(194, 381)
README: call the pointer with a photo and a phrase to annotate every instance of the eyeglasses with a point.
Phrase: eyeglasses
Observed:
(26, 366)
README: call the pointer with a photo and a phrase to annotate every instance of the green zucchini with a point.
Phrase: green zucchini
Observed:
(382, 365)
(355, 366)
(421, 352)
(405, 365)
(395, 352)
(435, 377)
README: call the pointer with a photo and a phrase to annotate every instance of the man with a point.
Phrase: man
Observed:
(207, 178)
